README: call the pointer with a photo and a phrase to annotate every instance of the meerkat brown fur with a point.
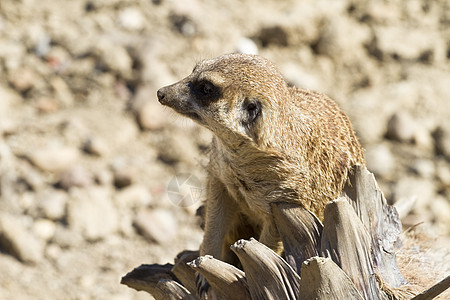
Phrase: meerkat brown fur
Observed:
(271, 143)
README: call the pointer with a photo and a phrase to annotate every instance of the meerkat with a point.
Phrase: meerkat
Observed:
(272, 142)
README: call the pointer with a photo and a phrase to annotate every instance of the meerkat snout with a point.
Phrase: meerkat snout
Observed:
(161, 95)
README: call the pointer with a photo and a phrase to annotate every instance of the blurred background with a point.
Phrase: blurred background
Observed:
(92, 166)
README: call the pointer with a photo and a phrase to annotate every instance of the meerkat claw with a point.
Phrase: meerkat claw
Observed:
(202, 284)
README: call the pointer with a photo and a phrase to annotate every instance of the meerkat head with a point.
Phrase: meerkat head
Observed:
(231, 94)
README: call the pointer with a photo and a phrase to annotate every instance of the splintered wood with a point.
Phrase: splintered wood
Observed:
(350, 256)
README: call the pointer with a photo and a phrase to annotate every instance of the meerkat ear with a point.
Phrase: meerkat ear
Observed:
(252, 110)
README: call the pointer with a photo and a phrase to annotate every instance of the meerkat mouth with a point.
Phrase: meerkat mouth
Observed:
(192, 115)
(186, 113)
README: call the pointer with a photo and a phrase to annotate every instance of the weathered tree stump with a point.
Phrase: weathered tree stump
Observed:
(356, 243)
(303, 242)
(183, 272)
(268, 275)
(222, 277)
(157, 280)
(323, 279)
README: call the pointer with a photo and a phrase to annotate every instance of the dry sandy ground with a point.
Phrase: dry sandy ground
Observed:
(87, 154)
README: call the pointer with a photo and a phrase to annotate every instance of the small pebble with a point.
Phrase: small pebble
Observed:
(273, 35)
(151, 115)
(96, 146)
(131, 18)
(18, 241)
(443, 173)
(423, 189)
(442, 141)
(52, 205)
(441, 212)
(133, 196)
(401, 127)
(246, 46)
(54, 158)
(44, 229)
(183, 24)
(115, 58)
(424, 167)
(380, 160)
(76, 176)
(53, 251)
(47, 105)
(158, 225)
(123, 177)
(66, 237)
(91, 212)
(23, 79)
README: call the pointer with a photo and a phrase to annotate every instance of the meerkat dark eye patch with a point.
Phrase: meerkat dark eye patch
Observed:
(206, 91)
(252, 110)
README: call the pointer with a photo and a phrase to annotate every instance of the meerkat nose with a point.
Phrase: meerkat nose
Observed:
(161, 94)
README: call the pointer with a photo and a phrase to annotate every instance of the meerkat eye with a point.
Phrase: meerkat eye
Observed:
(206, 87)
(206, 91)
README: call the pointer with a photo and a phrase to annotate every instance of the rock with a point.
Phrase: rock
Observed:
(54, 158)
(442, 141)
(58, 58)
(177, 148)
(273, 35)
(131, 19)
(22, 79)
(47, 105)
(41, 41)
(124, 177)
(52, 204)
(7, 125)
(92, 213)
(423, 189)
(183, 24)
(247, 46)
(334, 41)
(9, 99)
(402, 42)
(53, 252)
(300, 78)
(44, 229)
(423, 139)
(381, 13)
(104, 177)
(29, 178)
(126, 228)
(66, 238)
(401, 127)
(114, 58)
(96, 146)
(152, 116)
(424, 168)
(440, 208)
(380, 160)
(62, 91)
(134, 196)
(17, 240)
(76, 176)
(158, 225)
(13, 53)
(443, 173)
